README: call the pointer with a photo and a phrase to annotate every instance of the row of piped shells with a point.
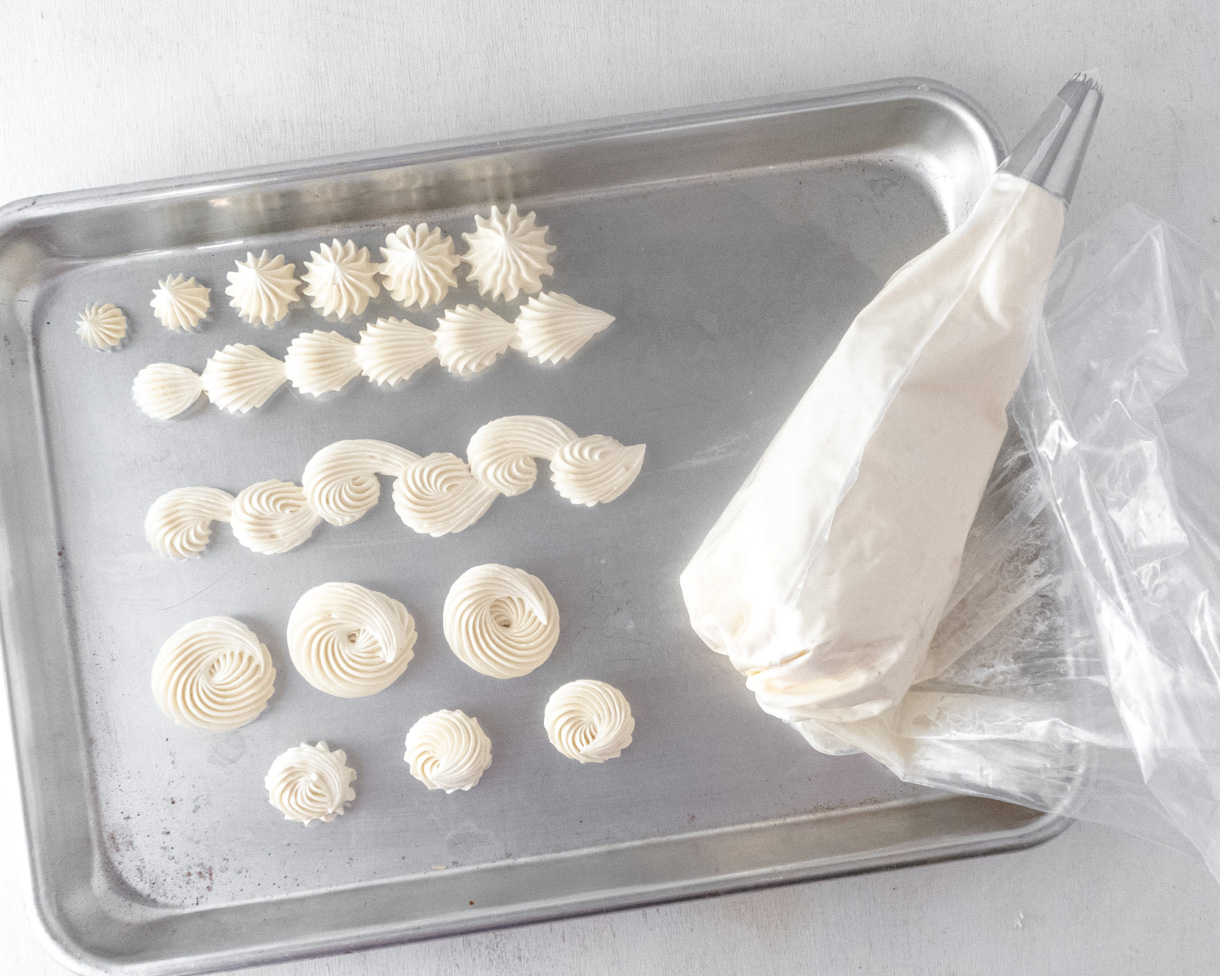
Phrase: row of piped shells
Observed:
(508, 254)
(550, 328)
(435, 495)
(586, 720)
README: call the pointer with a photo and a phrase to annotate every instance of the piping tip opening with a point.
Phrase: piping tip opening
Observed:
(1091, 77)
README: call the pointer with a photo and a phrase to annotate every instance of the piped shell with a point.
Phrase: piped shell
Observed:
(240, 378)
(392, 350)
(469, 339)
(321, 362)
(164, 390)
(553, 327)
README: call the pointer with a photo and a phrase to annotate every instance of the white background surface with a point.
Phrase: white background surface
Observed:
(95, 93)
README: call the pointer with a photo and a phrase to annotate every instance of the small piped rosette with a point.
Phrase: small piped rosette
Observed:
(501, 621)
(309, 783)
(448, 750)
(589, 721)
(213, 674)
(350, 641)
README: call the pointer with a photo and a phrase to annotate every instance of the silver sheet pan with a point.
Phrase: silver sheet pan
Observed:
(734, 245)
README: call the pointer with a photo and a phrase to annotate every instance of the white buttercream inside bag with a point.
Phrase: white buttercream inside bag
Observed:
(825, 577)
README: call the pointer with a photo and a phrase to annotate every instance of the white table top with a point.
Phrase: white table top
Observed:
(94, 96)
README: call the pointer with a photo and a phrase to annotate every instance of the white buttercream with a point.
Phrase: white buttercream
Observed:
(340, 480)
(272, 517)
(262, 288)
(240, 378)
(448, 750)
(309, 783)
(595, 469)
(391, 350)
(826, 575)
(340, 279)
(101, 326)
(508, 254)
(469, 339)
(164, 390)
(418, 265)
(501, 621)
(213, 674)
(179, 523)
(350, 641)
(437, 495)
(589, 721)
(180, 302)
(502, 452)
(321, 362)
(553, 327)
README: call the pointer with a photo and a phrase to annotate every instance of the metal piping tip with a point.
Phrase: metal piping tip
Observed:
(1052, 152)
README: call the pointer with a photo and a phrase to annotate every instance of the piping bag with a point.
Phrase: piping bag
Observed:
(826, 576)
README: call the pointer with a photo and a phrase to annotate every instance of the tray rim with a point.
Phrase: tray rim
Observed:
(46, 915)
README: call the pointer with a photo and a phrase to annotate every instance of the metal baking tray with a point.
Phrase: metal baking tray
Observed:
(734, 245)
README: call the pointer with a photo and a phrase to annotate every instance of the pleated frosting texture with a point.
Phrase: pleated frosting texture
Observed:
(180, 302)
(309, 783)
(508, 254)
(350, 641)
(448, 750)
(213, 674)
(340, 279)
(101, 326)
(501, 621)
(262, 288)
(589, 721)
(164, 390)
(434, 495)
(418, 265)
(467, 340)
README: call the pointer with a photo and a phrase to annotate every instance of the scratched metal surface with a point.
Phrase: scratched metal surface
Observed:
(733, 251)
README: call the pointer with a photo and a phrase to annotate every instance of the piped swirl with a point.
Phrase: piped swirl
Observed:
(589, 721)
(502, 452)
(437, 495)
(179, 523)
(309, 783)
(501, 621)
(340, 481)
(448, 750)
(213, 674)
(350, 641)
(272, 516)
